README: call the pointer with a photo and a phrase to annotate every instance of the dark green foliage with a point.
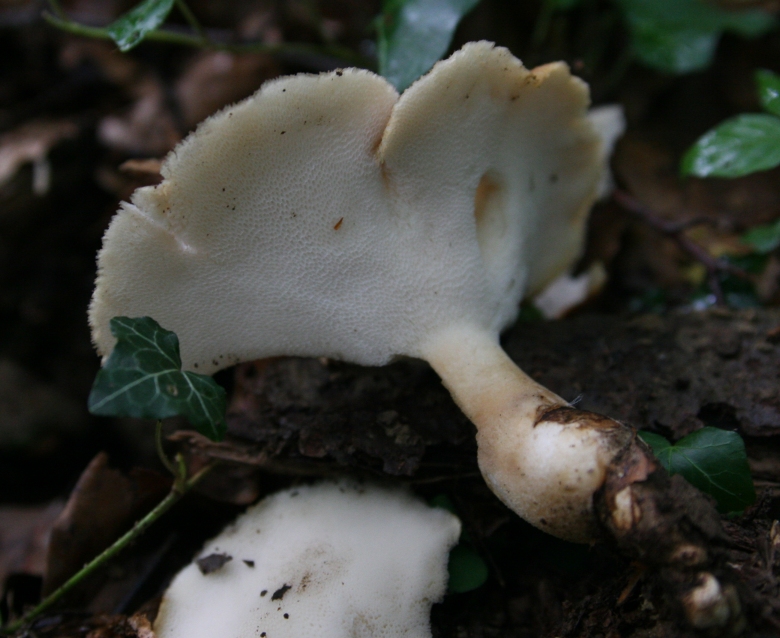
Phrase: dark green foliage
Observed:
(743, 144)
(130, 29)
(769, 90)
(142, 378)
(414, 35)
(680, 36)
(712, 460)
(763, 239)
(739, 146)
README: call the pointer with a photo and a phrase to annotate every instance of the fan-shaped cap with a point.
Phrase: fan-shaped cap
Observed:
(326, 216)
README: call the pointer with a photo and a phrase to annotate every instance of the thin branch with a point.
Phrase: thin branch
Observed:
(674, 230)
(170, 36)
(180, 487)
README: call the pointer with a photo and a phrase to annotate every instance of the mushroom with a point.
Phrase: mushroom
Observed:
(332, 560)
(327, 216)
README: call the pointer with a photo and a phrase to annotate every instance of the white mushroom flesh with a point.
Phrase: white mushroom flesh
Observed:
(334, 560)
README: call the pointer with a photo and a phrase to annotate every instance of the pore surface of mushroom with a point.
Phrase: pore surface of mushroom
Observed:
(327, 216)
(334, 560)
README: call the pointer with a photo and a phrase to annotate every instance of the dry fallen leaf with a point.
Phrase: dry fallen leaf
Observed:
(214, 79)
(103, 504)
(24, 538)
(147, 128)
(31, 142)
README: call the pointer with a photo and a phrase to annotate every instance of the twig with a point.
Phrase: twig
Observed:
(185, 39)
(180, 487)
(674, 230)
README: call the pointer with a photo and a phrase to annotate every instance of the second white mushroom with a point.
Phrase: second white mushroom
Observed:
(334, 560)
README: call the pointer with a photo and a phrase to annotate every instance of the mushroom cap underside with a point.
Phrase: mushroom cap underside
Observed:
(326, 216)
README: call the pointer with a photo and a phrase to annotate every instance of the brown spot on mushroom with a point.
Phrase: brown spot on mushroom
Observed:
(486, 188)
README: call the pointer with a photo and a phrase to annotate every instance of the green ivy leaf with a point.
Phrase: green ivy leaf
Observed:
(769, 90)
(466, 568)
(763, 239)
(414, 35)
(680, 36)
(142, 378)
(712, 460)
(130, 29)
(739, 146)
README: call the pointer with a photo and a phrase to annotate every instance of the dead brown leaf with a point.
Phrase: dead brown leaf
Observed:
(215, 79)
(24, 538)
(147, 129)
(31, 143)
(103, 504)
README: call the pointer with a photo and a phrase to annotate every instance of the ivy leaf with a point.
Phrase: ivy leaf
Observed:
(769, 90)
(466, 568)
(130, 29)
(739, 146)
(712, 460)
(680, 36)
(414, 35)
(763, 239)
(142, 378)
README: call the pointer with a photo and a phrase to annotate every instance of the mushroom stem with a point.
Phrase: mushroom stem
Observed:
(543, 458)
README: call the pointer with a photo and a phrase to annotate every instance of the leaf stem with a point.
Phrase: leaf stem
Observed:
(56, 8)
(158, 444)
(185, 10)
(180, 487)
(185, 39)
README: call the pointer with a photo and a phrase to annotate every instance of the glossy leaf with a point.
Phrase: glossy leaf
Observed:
(131, 28)
(415, 34)
(769, 90)
(142, 378)
(680, 36)
(712, 460)
(763, 239)
(739, 146)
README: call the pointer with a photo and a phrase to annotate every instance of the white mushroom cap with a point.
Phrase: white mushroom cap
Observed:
(326, 216)
(334, 560)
